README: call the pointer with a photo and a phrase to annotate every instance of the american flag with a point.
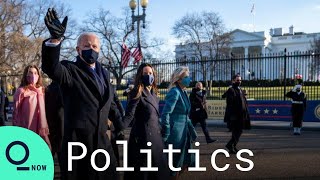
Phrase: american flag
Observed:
(137, 54)
(125, 56)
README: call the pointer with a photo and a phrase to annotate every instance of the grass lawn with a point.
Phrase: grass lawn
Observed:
(256, 93)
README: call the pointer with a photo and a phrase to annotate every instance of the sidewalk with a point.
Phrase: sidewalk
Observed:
(308, 126)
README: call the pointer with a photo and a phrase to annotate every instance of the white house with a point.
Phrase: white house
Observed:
(267, 44)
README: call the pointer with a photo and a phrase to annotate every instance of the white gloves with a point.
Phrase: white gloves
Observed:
(296, 87)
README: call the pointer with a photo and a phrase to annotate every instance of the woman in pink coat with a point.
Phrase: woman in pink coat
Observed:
(29, 107)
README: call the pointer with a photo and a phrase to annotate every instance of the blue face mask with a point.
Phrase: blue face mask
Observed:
(90, 56)
(147, 80)
(186, 81)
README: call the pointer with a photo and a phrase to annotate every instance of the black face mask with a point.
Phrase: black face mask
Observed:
(298, 90)
(90, 56)
(237, 84)
(147, 80)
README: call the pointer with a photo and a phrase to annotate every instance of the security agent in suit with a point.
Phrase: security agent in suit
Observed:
(299, 105)
(88, 100)
(55, 115)
(3, 105)
(236, 113)
(198, 113)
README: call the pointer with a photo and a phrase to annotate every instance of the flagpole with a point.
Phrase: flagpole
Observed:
(137, 18)
(253, 21)
(253, 12)
(138, 33)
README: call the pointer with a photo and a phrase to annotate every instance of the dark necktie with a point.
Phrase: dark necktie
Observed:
(98, 81)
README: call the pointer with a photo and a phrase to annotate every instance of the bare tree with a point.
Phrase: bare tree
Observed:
(162, 63)
(113, 31)
(22, 31)
(206, 37)
(35, 29)
(10, 11)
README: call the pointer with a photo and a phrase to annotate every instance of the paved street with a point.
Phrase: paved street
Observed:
(277, 155)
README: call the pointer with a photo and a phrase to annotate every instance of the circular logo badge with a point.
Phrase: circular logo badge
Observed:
(317, 111)
(24, 155)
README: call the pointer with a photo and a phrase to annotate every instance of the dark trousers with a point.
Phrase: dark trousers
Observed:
(297, 112)
(58, 156)
(82, 169)
(203, 126)
(2, 121)
(297, 120)
(115, 148)
(236, 129)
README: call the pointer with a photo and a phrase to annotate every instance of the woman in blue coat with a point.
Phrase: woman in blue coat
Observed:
(143, 110)
(177, 128)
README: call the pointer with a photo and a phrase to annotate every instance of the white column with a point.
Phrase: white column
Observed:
(246, 63)
(246, 51)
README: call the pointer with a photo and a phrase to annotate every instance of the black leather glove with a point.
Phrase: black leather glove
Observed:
(55, 27)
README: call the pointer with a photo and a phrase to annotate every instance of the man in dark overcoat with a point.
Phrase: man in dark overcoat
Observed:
(2, 107)
(55, 115)
(198, 113)
(236, 113)
(87, 98)
(299, 106)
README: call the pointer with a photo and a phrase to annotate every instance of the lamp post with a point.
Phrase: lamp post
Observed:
(137, 18)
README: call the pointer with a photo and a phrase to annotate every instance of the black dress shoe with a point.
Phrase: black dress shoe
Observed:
(210, 140)
(231, 149)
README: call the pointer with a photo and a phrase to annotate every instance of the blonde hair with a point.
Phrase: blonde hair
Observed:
(178, 74)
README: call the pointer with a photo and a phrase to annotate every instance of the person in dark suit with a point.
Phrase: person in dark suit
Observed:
(126, 93)
(2, 107)
(54, 113)
(87, 98)
(143, 108)
(236, 113)
(198, 113)
(225, 119)
(299, 106)
(116, 134)
(6, 106)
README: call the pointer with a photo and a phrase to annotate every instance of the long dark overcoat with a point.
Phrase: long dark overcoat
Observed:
(55, 115)
(198, 111)
(237, 109)
(145, 128)
(85, 113)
